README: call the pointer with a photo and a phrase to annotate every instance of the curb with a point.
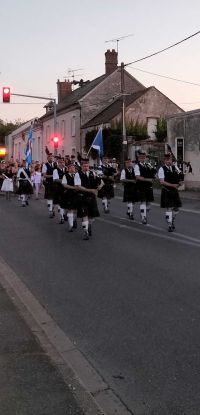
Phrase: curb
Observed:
(92, 393)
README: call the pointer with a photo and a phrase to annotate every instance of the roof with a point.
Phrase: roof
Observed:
(113, 109)
(76, 95)
(184, 114)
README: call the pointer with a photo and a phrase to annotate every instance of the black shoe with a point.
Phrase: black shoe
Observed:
(61, 221)
(27, 203)
(75, 224)
(170, 228)
(131, 216)
(90, 230)
(51, 215)
(106, 210)
(86, 236)
(23, 205)
(173, 226)
(70, 229)
(144, 221)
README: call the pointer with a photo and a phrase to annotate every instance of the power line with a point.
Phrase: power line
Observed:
(162, 50)
(164, 76)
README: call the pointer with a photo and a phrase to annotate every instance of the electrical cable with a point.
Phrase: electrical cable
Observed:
(162, 50)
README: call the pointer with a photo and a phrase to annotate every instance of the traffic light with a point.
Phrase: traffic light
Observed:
(6, 93)
(55, 141)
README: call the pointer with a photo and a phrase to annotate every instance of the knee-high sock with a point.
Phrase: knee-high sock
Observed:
(105, 202)
(143, 210)
(70, 216)
(50, 205)
(61, 213)
(85, 224)
(168, 216)
(130, 207)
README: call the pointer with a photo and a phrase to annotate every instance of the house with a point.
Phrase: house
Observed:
(93, 101)
(183, 132)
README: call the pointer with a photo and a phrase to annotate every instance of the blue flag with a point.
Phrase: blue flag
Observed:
(29, 147)
(98, 142)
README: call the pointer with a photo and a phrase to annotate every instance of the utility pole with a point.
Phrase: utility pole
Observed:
(124, 139)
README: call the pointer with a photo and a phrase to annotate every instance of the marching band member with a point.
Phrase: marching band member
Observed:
(25, 185)
(170, 178)
(58, 189)
(128, 180)
(69, 200)
(145, 174)
(47, 172)
(106, 193)
(87, 184)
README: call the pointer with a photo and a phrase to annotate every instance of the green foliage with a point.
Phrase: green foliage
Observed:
(161, 133)
(7, 128)
(137, 130)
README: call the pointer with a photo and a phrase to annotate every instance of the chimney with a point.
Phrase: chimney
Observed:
(111, 61)
(64, 89)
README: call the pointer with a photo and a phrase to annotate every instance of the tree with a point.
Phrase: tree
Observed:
(112, 142)
(7, 128)
(161, 132)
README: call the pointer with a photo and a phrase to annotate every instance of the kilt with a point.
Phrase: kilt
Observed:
(106, 191)
(25, 188)
(49, 190)
(170, 198)
(87, 205)
(58, 191)
(69, 199)
(145, 192)
(130, 193)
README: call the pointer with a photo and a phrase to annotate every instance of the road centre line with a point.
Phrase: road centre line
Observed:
(158, 205)
(192, 242)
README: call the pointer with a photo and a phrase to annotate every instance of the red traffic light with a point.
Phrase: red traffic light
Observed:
(55, 141)
(6, 93)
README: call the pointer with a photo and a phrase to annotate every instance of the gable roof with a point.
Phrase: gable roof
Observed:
(73, 97)
(113, 109)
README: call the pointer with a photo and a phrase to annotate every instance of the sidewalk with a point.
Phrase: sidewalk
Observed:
(29, 383)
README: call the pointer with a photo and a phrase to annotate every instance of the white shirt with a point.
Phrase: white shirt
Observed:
(161, 173)
(137, 170)
(44, 169)
(55, 174)
(77, 180)
(123, 175)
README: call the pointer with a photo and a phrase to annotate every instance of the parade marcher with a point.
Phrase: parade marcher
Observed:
(170, 179)
(106, 193)
(36, 179)
(25, 185)
(128, 180)
(87, 184)
(144, 174)
(69, 200)
(58, 174)
(47, 172)
(7, 185)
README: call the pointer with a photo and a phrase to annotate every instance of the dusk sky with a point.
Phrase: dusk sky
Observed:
(42, 39)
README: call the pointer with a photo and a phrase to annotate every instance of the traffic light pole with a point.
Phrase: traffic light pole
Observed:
(54, 109)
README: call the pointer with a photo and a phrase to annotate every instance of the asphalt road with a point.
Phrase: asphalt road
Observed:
(129, 297)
